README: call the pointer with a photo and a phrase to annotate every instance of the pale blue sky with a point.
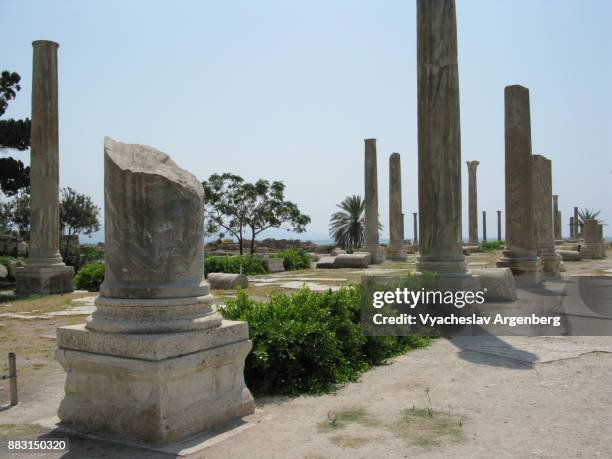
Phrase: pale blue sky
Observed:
(288, 90)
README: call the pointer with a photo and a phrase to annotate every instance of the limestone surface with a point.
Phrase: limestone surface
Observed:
(498, 282)
(227, 281)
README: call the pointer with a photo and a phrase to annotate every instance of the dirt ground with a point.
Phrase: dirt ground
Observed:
(480, 396)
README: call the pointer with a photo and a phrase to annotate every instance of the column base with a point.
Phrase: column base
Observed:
(450, 274)
(396, 252)
(591, 251)
(550, 262)
(377, 253)
(153, 389)
(527, 270)
(50, 279)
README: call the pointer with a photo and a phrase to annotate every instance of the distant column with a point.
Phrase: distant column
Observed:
(372, 244)
(395, 250)
(604, 252)
(543, 215)
(484, 225)
(520, 254)
(560, 223)
(499, 238)
(557, 222)
(577, 229)
(573, 228)
(472, 202)
(415, 230)
(45, 272)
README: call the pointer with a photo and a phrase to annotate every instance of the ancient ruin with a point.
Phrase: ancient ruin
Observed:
(395, 250)
(591, 249)
(484, 226)
(372, 242)
(45, 271)
(520, 254)
(472, 202)
(155, 363)
(499, 225)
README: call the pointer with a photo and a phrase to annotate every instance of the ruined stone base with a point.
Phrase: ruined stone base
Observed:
(550, 264)
(450, 274)
(153, 389)
(396, 252)
(44, 279)
(591, 251)
(527, 270)
(377, 253)
(498, 283)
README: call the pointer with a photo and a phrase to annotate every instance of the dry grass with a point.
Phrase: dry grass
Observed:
(428, 428)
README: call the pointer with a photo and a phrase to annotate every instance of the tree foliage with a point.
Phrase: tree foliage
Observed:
(78, 215)
(588, 214)
(347, 226)
(14, 134)
(244, 209)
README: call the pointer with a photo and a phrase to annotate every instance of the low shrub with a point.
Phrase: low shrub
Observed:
(90, 277)
(490, 246)
(294, 259)
(231, 264)
(310, 341)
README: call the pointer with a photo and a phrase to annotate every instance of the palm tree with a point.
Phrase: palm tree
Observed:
(588, 214)
(347, 227)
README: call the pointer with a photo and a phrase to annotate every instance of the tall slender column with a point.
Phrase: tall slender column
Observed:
(560, 223)
(395, 250)
(484, 225)
(499, 238)
(521, 253)
(557, 222)
(415, 230)
(577, 229)
(45, 271)
(472, 202)
(439, 144)
(372, 244)
(543, 217)
(572, 224)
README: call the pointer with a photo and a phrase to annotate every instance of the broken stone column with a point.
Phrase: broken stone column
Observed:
(155, 363)
(572, 229)
(577, 226)
(45, 272)
(556, 220)
(602, 241)
(591, 249)
(560, 222)
(543, 217)
(415, 230)
(472, 202)
(439, 146)
(520, 254)
(484, 225)
(499, 238)
(372, 243)
(395, 250)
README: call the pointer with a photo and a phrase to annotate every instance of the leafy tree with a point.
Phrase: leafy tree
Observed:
(6, 217)
(78, 215)
(236, 207)
(14, 134)
(20, 206)
(347, 226)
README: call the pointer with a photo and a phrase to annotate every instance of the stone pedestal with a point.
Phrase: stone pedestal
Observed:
(472, 203)
(543, 216)
(395, 250)
(591, 249)
(520, 254)
(45, 272)
(372, 242)
(155, 363)
(439, 146)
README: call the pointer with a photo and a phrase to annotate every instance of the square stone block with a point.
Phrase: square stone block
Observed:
(48, 280)
(153, 389)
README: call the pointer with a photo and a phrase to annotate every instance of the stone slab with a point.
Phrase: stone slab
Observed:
(352, 260)
(227, 281)
(46, 280)
(569, 255)
(274, 265)
(498, 282)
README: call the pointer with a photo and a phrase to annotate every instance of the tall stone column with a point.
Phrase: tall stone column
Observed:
(572, 224)
(604, 245)
(415, 229)
(395, 250)
(45, 272)
(155, 363)
(557, 222)
(439, 143)
(577, 229)
(372, 244)
(472, 202)
(484, 225)
(543, 216)
(499, 238)
(591, 249)
(560, 223)
(520, 254)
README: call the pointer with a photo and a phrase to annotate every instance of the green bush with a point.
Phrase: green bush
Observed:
(294, 259)
(4, 260)
(490, 246)
(231, 264)
(309, 341)
(89, 277)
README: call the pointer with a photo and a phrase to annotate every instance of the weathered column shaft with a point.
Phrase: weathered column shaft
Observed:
(592, 244)
(371, 203)
(572, 224)
(556, 221)
(543, 216)
(439, 139)
(560, 223)
(472, 201)
(395, 250)
(520, 254)
(499, 220)
(604, 252)
(577, 229)
(484, 225)
(415, 229)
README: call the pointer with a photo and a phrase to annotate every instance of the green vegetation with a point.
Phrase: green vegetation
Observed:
(340, 419)
(347, 226)
(294, 259)
(309, 341)
(245, 264)
(490, 246)
(90, 277)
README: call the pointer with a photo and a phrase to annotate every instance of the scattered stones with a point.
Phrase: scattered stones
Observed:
(226, 281)
(352, 260)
